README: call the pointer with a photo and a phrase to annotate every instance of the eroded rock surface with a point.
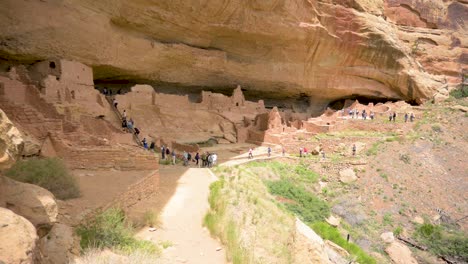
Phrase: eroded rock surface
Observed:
(18, 238)
(11, 141)
(328, 50)
(59, 246)
(30, 201)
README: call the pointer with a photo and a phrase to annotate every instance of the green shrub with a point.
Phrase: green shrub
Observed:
(374, 149)
(398, 231)
(460, 92)
(330, 233)
(150, 218)
(308, 207)
(49, 173)
(110, 229)
(443, 242)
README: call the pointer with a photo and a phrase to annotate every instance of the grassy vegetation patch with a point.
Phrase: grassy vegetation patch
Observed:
(460, 92)
(298, 173)
(374, 149)
(110, 229)
(307, 206)
(49, 173)
(247, 220)
(443, 241)
(330, 233)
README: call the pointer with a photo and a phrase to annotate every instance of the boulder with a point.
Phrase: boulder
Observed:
(30, 201)
(438, 98)
(308, 246)
(460, 108)
(387, 237)
(347, 175)
(316, 150)
(418, 220)
(18, 239)
(400, 253)
(11, 140)
(230, 137)
(333, 221)
(341, 251)
(59, 246)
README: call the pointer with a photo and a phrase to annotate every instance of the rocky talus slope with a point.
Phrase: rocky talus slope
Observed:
(399, 49)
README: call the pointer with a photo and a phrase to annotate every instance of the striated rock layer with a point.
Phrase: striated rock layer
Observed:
(327, 50)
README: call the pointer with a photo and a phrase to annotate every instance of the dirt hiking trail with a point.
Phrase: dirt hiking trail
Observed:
(182, 223)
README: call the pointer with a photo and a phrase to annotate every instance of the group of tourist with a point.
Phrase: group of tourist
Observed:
(304, 152)
(269, 150)
(392, 117)
(129, 126)
(206, 159)
(354, 113)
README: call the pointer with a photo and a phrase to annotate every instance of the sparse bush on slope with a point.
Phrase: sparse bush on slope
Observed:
(49, 173)
(110, 229)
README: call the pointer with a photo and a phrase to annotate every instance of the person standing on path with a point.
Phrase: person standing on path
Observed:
(269, 151)
(406, 117)
(354, 149)
(115, 103)
(250, 153)
(197, 159)
(124, 113)
(394, 116)
(168, 152)
(300, 152)
(163, 152)
(145, 144)
(173, 157)
(411, 117)
(203, 158)
(185, 155)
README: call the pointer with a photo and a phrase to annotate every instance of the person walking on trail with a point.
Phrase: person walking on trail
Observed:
(394, 116)
(411, 117)
(305, 152)
(323, 154)
(203, 158)
(197, 159)
(145, 144)
(124, 124)
(124, 113)
(173, 157)
(151, 147)
(168, 152)
(371, 115)
(354, 149)
(130, 125)
(269, 151)
(250, 153)
(115, 103)
(185, 155)
(214, 158)
(163, 152)
(300, 152)
(390, 117)
(406, 117)
(189, 157)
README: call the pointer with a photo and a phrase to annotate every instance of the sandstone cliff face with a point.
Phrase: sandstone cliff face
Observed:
(324, 49)
(11, 141)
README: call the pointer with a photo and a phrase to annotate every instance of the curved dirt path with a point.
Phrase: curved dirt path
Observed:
(182, 223)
